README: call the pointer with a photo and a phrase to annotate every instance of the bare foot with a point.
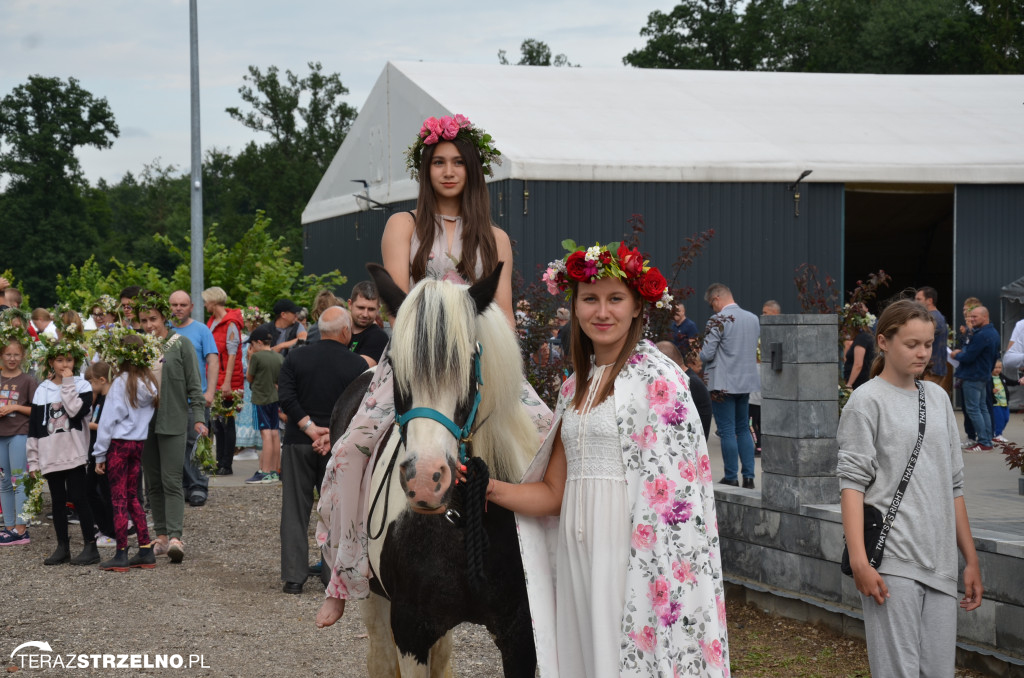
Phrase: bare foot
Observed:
(330, 612)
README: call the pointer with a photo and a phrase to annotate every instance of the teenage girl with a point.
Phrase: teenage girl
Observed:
(58, 446)
(16, 391)
(909, 601)
(131, 402)
(100, 375)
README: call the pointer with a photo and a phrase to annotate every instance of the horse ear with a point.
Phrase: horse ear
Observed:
(390, 293)
(483, 290)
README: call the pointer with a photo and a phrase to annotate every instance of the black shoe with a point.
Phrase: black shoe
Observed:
(292, 587)
(143, 558)
(119, 563)
(61, 554)
(196, 500)
(748, 483)
(726, 481)
(88, 556)
(73, 518)
(315, 570)
(223, 471)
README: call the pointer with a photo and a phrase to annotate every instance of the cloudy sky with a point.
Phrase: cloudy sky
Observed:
(136, 54)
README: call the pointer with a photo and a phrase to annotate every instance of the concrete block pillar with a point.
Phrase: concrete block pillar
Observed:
(799, 410)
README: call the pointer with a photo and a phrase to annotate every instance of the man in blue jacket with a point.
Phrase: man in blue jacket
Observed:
(977, 360)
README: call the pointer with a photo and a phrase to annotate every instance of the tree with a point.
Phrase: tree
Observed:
(47, 215)
(535, 53)
(837, 36)
(307, 122)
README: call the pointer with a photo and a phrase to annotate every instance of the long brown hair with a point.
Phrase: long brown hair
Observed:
(895, 316)
(135, 374)
(477, 237)
(581, 348)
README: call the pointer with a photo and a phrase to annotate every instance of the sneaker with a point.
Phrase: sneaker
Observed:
(979, 448)
(257, 478)
(1000, 439)
(270, 478)
(175, 550)
(223, 471)
(103, 540)
(248, 454)
(12, 538)
(73, 518)
(968, 443)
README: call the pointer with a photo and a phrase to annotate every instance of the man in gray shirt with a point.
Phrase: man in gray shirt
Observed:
(729, 355)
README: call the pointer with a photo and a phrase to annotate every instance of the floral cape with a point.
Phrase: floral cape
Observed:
(673, 620)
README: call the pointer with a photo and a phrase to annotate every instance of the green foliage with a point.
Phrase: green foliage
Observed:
(256, 270)
(837, 36)
(535, 53)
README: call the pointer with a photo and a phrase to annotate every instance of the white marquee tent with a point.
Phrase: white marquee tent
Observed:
(585, 124)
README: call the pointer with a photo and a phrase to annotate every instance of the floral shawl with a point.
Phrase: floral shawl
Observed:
(673, 621)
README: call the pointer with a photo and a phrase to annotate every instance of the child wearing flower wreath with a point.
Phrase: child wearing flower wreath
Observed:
(130, 404)
(58, 443)
(16, 391)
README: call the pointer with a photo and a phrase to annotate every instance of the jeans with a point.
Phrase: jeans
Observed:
(976, 407)
(14, 462)
(732, 418)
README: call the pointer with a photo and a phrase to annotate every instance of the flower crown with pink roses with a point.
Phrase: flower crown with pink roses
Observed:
(449, 128)
(590, 264)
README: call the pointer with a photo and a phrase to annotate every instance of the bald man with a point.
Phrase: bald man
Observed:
(977, 360)
(311, 379)
(197, 485)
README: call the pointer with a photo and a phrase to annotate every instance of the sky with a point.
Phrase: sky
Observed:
(136, 54)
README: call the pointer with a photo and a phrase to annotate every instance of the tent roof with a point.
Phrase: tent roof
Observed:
(592, 124)
(1014, 291)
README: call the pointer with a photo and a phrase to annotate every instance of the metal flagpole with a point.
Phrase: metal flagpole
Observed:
(197, 170)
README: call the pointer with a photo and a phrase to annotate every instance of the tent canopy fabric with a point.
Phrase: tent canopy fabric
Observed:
(594, 124)
(1014, 291)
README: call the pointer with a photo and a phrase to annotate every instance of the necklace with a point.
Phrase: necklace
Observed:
(445, 217)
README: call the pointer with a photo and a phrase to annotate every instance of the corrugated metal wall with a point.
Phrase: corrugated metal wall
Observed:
(757, 245)
(988, 250)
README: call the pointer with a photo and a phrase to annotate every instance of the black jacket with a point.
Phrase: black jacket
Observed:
(312, 377)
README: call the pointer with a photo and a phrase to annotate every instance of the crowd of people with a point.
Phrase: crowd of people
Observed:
(627, 469)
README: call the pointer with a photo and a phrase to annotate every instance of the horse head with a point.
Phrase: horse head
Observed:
(435, 356)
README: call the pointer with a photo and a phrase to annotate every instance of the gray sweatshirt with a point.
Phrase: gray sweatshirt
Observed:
(877, 432)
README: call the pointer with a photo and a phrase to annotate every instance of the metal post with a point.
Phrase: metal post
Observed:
(197, 170)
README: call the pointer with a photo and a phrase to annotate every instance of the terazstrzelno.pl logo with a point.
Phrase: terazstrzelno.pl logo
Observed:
(36, 654)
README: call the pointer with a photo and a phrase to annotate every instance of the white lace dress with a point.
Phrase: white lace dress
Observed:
(593, 547)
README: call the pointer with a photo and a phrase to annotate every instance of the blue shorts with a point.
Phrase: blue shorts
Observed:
(266, 417)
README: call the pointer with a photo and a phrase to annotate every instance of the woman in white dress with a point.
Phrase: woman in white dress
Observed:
(639, 587)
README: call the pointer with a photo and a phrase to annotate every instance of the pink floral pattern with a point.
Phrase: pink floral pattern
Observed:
(673, 622)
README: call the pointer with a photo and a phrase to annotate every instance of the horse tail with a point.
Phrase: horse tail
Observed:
(477, 478)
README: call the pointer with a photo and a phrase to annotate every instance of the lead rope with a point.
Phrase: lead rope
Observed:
(581, 437)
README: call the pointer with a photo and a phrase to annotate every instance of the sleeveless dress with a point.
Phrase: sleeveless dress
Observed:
(341, 528)
(595, 526)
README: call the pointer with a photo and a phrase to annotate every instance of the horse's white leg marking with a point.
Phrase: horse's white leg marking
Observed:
(382, 655)
(440, 657)
(412, 668)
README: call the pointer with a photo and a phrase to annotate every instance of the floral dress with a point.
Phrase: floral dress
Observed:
(669, 619)
(341, 529)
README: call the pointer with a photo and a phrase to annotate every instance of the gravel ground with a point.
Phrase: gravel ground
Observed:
(224, 602)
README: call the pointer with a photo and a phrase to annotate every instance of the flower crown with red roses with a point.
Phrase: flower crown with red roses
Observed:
(590, 264)
(449, 128)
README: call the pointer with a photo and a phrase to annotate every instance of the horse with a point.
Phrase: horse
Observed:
(437, 555)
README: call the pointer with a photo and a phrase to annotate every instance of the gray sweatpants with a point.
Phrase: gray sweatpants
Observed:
(913, 635)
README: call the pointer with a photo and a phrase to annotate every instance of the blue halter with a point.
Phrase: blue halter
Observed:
(465, 434)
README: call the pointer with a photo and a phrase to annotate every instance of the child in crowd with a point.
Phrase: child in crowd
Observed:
(1000, 404)
(100, 375)
(264, 368)
(122, 433)
(58, 444)
(16, 391)
(910, 599)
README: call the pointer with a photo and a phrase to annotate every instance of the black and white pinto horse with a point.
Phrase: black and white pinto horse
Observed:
(437, 555)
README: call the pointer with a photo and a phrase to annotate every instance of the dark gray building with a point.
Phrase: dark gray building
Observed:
(922, 176)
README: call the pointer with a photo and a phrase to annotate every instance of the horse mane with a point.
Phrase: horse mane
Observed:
(433, 343)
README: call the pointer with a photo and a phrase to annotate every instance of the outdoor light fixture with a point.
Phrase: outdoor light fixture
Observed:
(796, 194)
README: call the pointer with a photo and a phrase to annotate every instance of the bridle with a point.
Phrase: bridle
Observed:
(463, 434)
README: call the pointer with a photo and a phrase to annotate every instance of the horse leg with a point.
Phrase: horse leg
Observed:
(440, 657)
(382, 655)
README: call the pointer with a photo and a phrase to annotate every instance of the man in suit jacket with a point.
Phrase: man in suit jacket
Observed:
(729, 355)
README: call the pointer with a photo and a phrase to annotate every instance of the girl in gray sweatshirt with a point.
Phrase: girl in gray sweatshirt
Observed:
(909, 601)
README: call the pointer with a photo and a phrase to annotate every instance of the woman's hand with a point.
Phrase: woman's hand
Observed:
(870, 583)
(330, 612)
(101, 467)
(5, 410)
(972, 588)
(66, 372)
